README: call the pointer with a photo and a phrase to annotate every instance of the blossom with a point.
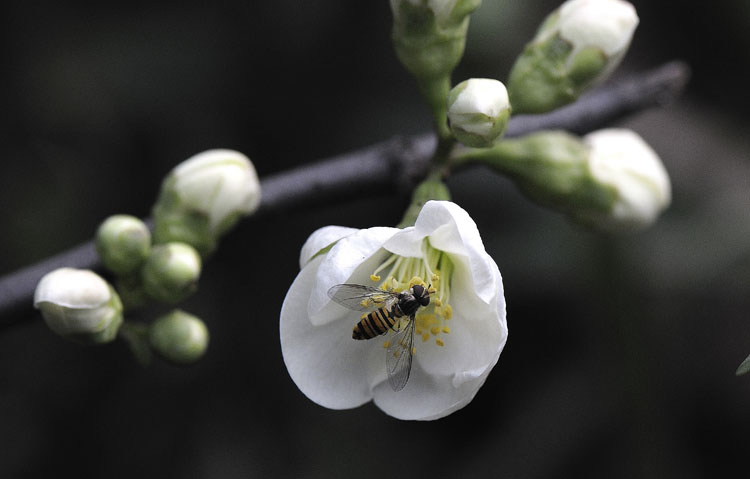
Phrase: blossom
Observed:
(577, 46)
(79, 305)
(621, 160)
(459, 335)
(478, 111)
(203, 197)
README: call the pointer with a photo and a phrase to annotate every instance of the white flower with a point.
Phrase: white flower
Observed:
(79, 304)
(604, 24)
(204, 196)
(621, 160)
(460, 334)
(578, 45)
(478, 111)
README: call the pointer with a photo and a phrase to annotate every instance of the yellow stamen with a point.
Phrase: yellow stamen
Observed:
(374, 277)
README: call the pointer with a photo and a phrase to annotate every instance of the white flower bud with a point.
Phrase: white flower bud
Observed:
(577, 46)
(179, 337)
(123, 243)
(171, 272)
(79, 305)
(478, 111)
(621, 160)
(204, 197)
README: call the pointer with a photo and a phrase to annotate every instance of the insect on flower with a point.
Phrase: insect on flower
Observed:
(386, 310)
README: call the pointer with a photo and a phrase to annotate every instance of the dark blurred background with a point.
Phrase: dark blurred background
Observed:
(622, 350)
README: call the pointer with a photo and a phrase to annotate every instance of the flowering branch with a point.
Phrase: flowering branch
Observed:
(362, 170)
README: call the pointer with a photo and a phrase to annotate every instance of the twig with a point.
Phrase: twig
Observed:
(380, 166)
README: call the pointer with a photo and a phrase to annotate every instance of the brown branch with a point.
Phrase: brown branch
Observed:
(373, 168)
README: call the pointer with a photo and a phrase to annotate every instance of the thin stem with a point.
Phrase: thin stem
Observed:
(396, 164)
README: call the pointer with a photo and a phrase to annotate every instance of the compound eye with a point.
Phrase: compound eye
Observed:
(424, 300)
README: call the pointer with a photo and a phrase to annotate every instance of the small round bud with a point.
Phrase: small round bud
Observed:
(622, 161)
(478, 111)
(204, 197)
(79, 305)
(123, 243)
(578, 45)
(171, 272)
(179, 337)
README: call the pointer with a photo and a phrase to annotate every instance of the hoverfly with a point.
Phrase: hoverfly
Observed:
(386, 310)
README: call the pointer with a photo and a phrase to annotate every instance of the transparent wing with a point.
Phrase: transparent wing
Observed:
(362, 298)
(399, 356)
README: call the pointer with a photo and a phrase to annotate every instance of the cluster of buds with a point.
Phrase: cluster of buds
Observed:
(200, 200)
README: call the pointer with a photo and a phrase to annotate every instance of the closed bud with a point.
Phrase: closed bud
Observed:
(179, 337)
(204, 197)
(123, 243)
(478, 111)
(170, 273)
(610, 179)
(621, 160)
(430, 35)
(79, 305)
(576, 47)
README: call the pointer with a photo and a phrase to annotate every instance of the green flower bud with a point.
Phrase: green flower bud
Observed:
(204, 197)
(577, 46)
(79, 305)
(478, 111)
(179, 337)
(611, 179)
(171, 272)
(430, 35)
(123, 243)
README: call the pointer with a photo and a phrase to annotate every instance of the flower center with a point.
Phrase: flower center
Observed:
(433, 271)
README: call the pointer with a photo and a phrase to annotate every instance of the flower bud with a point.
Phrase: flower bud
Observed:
(79, 305)
(430, 35)
(204, 197)
(611, 179)
(478, 111)
(576, 47)
(179, 337)
(123, 243)
(623, 161)
(171, 272)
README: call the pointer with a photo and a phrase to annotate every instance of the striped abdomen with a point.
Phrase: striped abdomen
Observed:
(376, 323)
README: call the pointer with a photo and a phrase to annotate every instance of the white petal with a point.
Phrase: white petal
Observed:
(320, 239)
(351, 260)
(606, 24)
(327, 365)
(478, 335)
(72, 288)
(449, 228)
(426, 397)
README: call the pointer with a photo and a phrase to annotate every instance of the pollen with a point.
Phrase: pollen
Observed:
(374, 277)
(446, 329)
(425, 337)
(365, 303)
(387, 344)
(439, 342)
(435, 330)
(364, 315)
(413, 350)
